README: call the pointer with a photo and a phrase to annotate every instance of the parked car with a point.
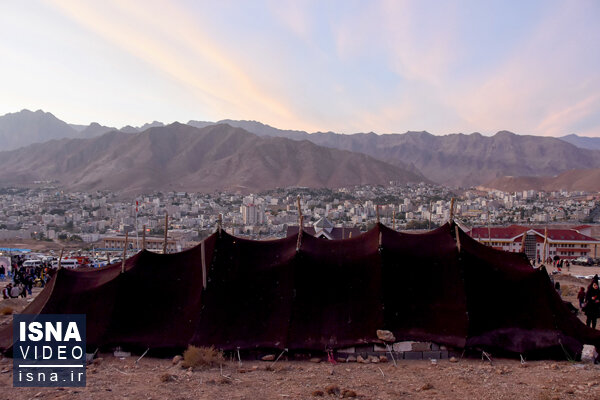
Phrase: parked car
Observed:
(586, 261)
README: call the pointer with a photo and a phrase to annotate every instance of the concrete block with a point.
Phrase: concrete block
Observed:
(435, 347)
(403, 346)
(379, 348)
(347, 350)
(413, 355)
(122, 354)
(428, 355)
(443, 354)
(421, 346)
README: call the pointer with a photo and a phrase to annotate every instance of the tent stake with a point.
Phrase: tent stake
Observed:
(278, 357)
(142, 356)
(391, 354)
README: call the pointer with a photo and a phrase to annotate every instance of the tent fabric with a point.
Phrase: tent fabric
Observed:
(324, 294)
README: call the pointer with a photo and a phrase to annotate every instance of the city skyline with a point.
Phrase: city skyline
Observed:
(387, 67)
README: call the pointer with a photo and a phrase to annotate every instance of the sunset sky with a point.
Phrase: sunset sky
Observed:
(531, 67)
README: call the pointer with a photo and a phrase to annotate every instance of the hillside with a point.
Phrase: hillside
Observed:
(181, 157)
(456, 159)
(587, 180)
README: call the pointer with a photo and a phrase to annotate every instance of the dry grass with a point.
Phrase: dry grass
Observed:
(6, 311)
(202, 357)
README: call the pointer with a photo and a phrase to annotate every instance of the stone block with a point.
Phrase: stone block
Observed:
(347, 350)
(413, 355)
(443, 354)
(435, 347)
(381, 349)
(421, 346)
(402, 346)
(428, 355)
(364, 348)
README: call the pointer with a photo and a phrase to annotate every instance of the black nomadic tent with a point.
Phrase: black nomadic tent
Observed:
(305, 293)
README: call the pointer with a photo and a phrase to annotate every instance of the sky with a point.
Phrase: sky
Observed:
(530, 67)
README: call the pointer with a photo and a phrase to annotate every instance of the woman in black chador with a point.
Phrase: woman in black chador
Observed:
(592, 306)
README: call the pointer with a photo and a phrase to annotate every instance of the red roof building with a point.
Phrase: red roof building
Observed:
(536, 243)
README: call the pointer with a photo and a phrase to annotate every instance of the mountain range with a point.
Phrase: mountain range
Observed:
(184, 158)
(453, 160)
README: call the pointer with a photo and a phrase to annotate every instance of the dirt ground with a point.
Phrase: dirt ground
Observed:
(113, 378)
(152, 378)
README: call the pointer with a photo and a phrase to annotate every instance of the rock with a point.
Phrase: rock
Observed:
(315, 360)
(351, 359)
(426, 386)
(168, 378)
(97, 361)
(383, 359)
(340, 360)
(318, 393)
(554, 366)
(386, 336)
(333, 390)
(361, 360)
(268, 357)
(347, 393)
(176, 360)
(453, 360)
(589, 354)
(373, 359)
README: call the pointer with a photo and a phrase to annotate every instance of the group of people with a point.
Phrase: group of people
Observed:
(23, 280)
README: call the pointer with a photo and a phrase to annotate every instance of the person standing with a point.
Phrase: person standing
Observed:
(592, 304)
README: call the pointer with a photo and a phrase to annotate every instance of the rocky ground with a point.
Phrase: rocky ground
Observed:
(113, 378)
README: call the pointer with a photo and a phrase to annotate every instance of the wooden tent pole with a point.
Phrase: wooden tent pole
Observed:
(299, 241)
(203, 260)
(220, 223)
(430, 210)
(544, 258)
(144, 238)
(489, 229)
(62, 249)
(523, 242)
(457, 237)
(124, 252)
(452, 209)
(394, 218)
(166, 231)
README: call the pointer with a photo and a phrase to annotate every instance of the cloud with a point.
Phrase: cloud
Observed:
(168, 39)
